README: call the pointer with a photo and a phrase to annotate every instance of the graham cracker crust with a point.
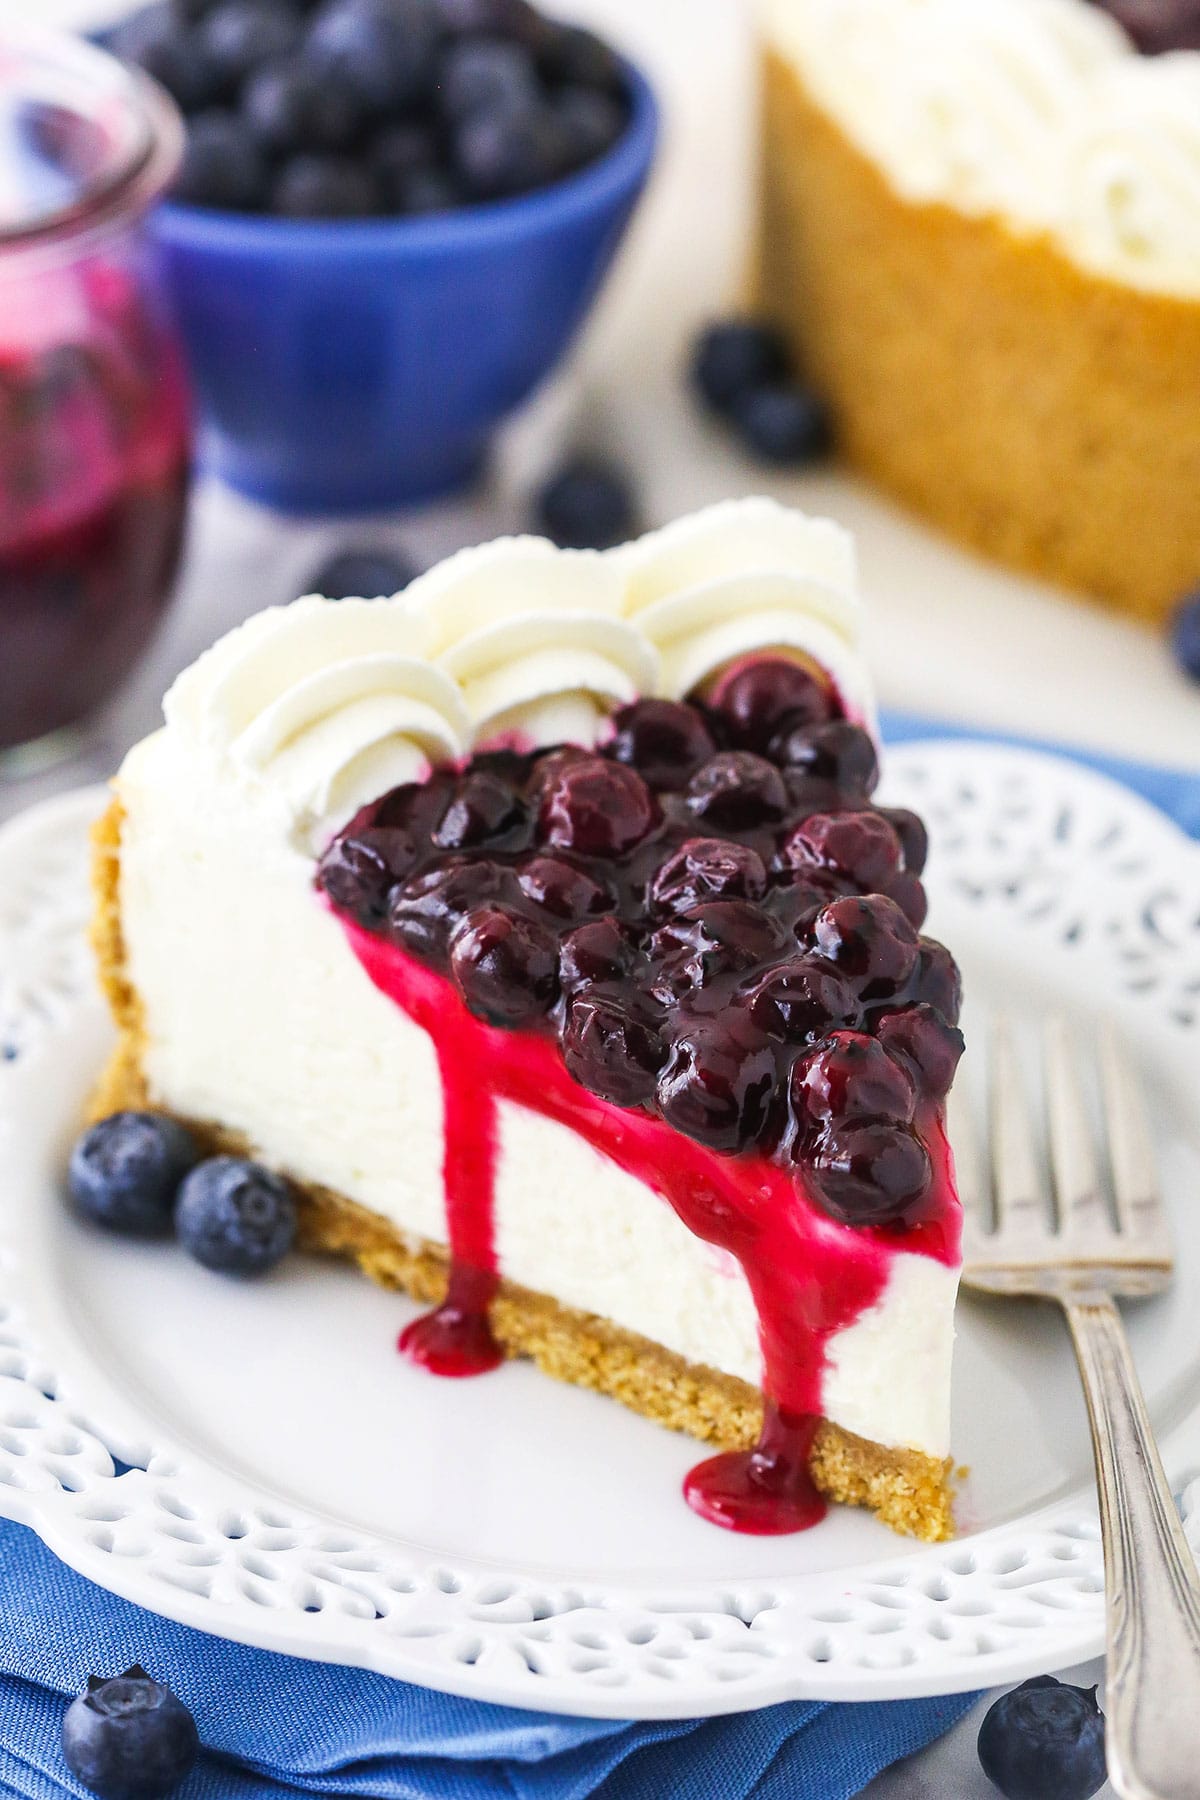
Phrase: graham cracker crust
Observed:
(904, 1488)
(1044, 415)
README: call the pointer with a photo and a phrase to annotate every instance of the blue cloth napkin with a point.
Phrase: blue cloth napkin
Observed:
(273, 1725)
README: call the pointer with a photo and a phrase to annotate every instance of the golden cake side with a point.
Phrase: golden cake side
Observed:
(1044, 415)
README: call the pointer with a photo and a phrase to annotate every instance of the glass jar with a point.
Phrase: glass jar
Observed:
(94, 415)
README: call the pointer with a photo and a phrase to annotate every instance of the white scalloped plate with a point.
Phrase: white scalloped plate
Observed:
(294, 1484)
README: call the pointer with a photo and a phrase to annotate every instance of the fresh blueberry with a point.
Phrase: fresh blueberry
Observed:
(125, 1171)
(504, 150)
(222, 164)
(592, 122)
(242, 36)
(734, 356)
(587, 505)
(314, 186)
(129, 1738)
(1185, 635)
(480, 74)
(366, 574)
(400, 153)
(235, 1216)
(289, 107)
(1044, 1741)
(157, 42)
(575, 57)
(427, 191)
(389, 47)
(782, 423)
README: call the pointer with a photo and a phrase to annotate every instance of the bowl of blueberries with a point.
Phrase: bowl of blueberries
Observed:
(389, 223)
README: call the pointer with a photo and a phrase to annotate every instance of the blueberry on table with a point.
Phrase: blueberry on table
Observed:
(222, 164)
(781, 423)
(366, 574)
(1185, 635)
(587, 505)
(1044, 1741)
(734, 356)
(129, 1738)
(235, 1216)
(125, 1171)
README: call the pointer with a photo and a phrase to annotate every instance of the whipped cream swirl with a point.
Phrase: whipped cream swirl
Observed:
(1040, 111)
(324, 705)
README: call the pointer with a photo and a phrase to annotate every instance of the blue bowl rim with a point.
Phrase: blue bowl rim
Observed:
(620, 169)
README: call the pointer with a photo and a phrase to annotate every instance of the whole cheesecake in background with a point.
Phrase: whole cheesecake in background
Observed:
(982, 234)
(538, 924)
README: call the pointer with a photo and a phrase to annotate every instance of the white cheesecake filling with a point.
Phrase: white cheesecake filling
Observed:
(259, 1015)
(1040, 111)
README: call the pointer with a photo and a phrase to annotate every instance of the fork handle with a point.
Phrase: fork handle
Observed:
(1152, 1588)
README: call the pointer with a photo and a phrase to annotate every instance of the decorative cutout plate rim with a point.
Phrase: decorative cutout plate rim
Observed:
(1025, 833)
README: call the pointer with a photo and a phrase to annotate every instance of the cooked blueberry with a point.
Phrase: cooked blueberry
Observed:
(562, 889)
(1185, 635)
(576, 57)
(387, 47)
(801, 1001)
(359, 871)
(323, 186)
(873, 1172)
(508, 150)
(859, 845)
(125, 1171)
(157, 42)
(601, 951)
(839, 753)
(242, 36)
(504, 966)
(480, 73)
(737, 791)
(919, 1038)
(591, 122)
(870, 941)
(484, 812)
(909, 894)
(706, 869)
(427, 909)
(758, 697)
(662, 739)
(1044, 1741)
(718, 1082)
(235, 1216)
(735, 355)
(914, 839)
(851, 1076)
(289, 107)
(365, 574)
(937, 980)
(611, 1051)
(128, 1737)
(222, 164)
(587, 505)
(597, 808)
(782, 423)
(721, 937)
(1158, 26)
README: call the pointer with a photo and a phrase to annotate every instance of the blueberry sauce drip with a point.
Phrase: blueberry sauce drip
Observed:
(699, 947)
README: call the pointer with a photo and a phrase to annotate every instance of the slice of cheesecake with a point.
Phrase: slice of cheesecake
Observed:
(539, 926)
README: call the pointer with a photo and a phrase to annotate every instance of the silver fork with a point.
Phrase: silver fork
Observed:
(1069, 1247)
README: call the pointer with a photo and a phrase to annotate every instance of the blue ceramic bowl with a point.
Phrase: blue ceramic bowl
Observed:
(346, 366)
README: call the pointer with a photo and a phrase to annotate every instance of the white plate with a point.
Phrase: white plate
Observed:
(295, 1484)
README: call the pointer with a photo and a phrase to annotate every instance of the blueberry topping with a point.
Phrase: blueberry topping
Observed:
(839, 755)
(718, 1082)
(236, 1217)
(869, 941)
(664, 741)
(611, 1051)
(862, 846)
(1044, 1741)
(599, 952)
(1185, 635)
(485, 812)
(125, 1171)
(128, 1737)
(564, 890)
(784, 424)
(366, 574)
(587, 505)
(358, 873)
(706, 869)
(222, 164)
(909, 894)
(737, 791)
(851, 1076)
(914, 839)
(801, 1000)
(735, 356)
(1156, 27)
(920, 1040)
(937, 980)
(759, 698)
(598, 808)
(871, 1172)
(504, 966)
(427, 909)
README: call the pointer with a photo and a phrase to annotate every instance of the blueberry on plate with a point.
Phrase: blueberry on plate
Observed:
(782, 423)
(587, 505)
(366, 574)
(733, 356)
(125, 1171)
(1044, 1741)
(322, 185)
(1185, 635)
(129, 1738)
(222, 164)
(235, 1216)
